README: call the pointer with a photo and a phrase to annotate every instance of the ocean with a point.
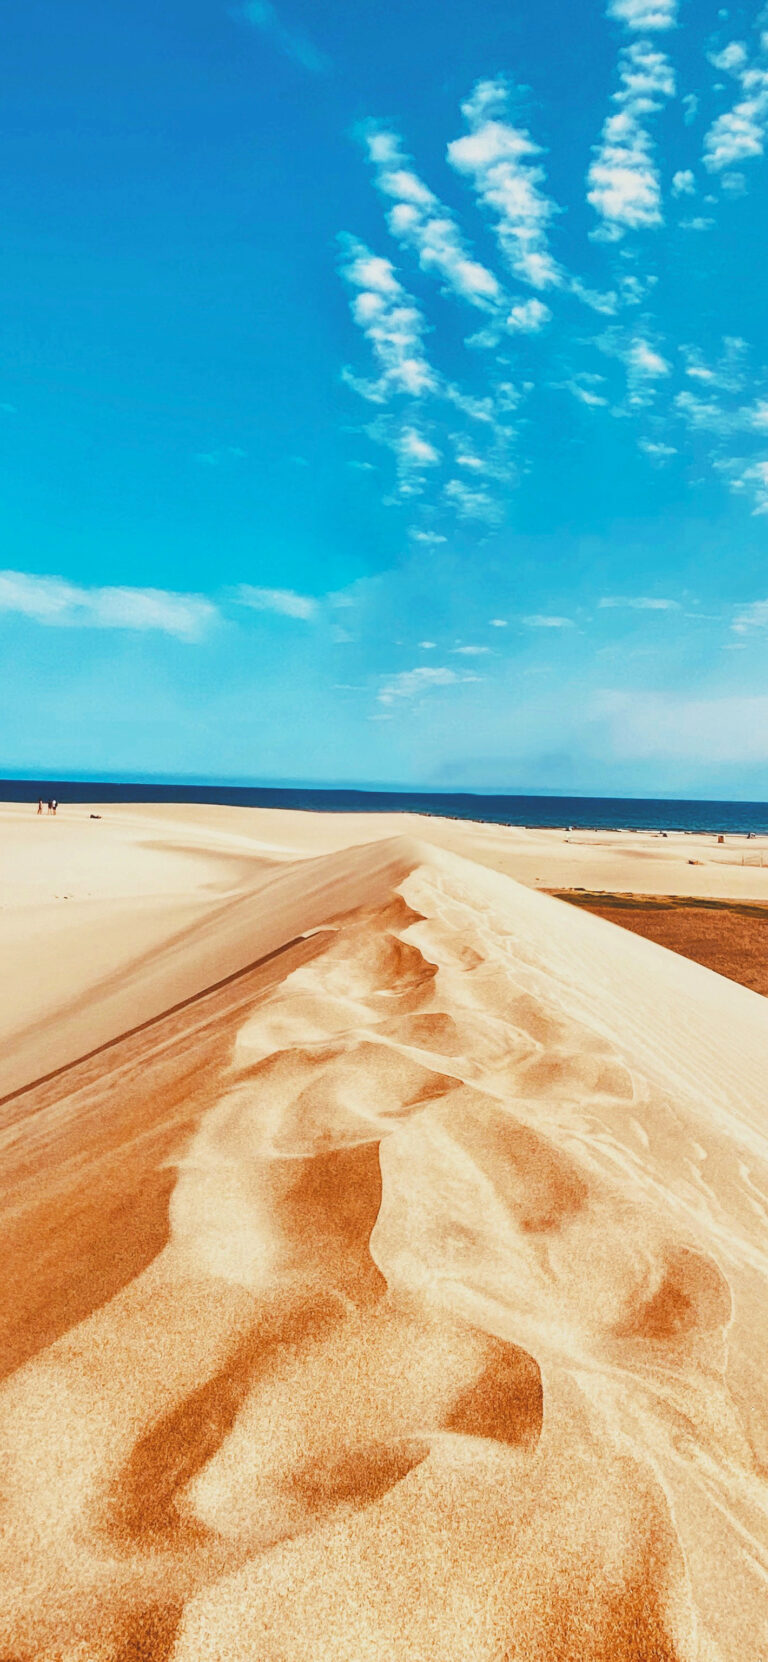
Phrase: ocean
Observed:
(601, 813)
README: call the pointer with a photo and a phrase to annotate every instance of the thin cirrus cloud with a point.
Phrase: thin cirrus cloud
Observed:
(56, 602)
(415, 455)
(471, 503)
(657, 449)
(721, 406)
(410, 683)
(292, 42)
(623, 181)
(283, 602)
(751, 617)
(645, 365)
(637, 603)
(755, 478)
(501, 161)
(545, 620)
(582, 388)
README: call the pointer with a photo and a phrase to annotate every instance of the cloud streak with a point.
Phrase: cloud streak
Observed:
(56, 602)
(293, 43)
(750, 617)
(283, 602)
(637, 603)
(411, 683)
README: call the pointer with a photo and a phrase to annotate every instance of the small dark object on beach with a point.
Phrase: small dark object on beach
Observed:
(94, 816)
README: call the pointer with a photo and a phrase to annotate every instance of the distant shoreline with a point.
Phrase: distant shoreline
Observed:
(557, 813)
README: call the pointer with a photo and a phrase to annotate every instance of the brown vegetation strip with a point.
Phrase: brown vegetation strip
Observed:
(728, 936)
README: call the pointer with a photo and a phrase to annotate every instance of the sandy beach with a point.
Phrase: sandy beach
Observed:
(384, 1240)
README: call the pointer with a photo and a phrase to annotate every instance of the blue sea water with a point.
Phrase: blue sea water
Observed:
(581, 812)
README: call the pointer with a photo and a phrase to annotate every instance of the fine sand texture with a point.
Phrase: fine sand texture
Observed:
(385, 1251)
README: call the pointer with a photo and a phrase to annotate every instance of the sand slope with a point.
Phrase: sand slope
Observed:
(443, 1336)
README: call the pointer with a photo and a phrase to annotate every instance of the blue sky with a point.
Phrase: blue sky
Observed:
(384, 393)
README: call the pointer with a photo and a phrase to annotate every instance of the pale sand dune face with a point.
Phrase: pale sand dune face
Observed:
(453, 1347)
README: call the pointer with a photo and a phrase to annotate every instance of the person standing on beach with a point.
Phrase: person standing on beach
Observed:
(39, 804)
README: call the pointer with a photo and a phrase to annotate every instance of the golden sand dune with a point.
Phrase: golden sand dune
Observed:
(402, 1299)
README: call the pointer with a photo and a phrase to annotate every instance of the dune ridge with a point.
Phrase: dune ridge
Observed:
(454, 1347)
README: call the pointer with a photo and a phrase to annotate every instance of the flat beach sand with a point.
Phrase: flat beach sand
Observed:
(384, 1240)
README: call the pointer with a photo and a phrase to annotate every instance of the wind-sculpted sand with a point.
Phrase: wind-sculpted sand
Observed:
(441, 1336)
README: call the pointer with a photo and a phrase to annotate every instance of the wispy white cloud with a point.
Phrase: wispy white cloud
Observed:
(394, 327)
(431, 538)
(410, 683)
(623, 180)
(472, 651)
(543, 620)
(638, 603)
(728, 372)
(466, 458)
(294, 43)
(218, 458)
(391, 322)
(644, 16)
(706, 414)
(645, 365)
(471, 503)
(683, 182)
(755, 479)
(583, 388)
(57, 602)
(750, 617)
(656, 449)
(606, 302)
(285, 602)
(415, 454)
(501, 160)
(723, 405)
(528, 317)
(738, 135)
(419, 221)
